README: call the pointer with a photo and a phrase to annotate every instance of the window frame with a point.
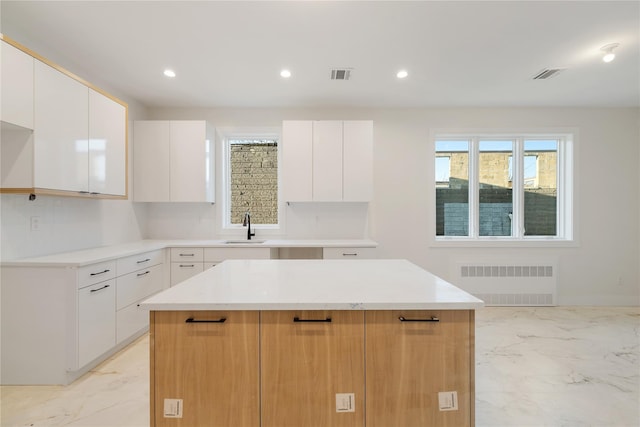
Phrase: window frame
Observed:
(565, 170)
(224, 207)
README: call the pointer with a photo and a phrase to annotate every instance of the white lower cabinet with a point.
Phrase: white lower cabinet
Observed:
(187, 262)
(59, 322)
(96, 320)
(348, 253)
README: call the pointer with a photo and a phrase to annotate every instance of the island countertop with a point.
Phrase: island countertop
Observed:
(380, 284)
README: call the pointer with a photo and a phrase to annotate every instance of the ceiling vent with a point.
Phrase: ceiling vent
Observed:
(341, 74)
(547, 73)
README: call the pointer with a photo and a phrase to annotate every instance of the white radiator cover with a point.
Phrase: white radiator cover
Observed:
(527, 282)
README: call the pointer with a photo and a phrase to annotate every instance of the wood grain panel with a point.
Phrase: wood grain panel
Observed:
(408, 363)
(213, 367)
(304, 365)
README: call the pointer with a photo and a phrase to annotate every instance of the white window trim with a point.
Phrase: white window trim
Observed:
(567, 223)
(224, 226)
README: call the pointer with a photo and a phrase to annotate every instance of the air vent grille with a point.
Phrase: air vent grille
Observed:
(547, 73)
(341, 74)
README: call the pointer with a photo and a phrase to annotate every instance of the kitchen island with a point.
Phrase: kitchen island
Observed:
(312, 343)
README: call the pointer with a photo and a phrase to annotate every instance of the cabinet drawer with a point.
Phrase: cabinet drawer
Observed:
(137, 285)
(181, 271)
(136, 262)
(187, 254)
(130, 320)
(348, 253)
(96, 273)
(220, 254)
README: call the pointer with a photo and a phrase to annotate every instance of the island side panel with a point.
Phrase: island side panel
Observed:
(305, 364)
(410, 362)
(211, 365)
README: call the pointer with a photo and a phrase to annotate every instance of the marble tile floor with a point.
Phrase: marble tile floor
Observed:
(560, 366)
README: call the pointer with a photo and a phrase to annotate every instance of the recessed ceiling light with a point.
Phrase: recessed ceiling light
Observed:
(169, 73)
(402, 74)
(608, 52)
(285, 73)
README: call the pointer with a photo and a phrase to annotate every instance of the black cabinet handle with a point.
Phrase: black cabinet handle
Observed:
(142, 274)
(327, 320)
(144, 260)
(187, 255)
(432, 319)
(349, 254)
(187, 265)
(99, 289)
(192, 320)
(100, 272)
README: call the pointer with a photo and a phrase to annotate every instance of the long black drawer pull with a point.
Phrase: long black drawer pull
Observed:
(187, 265)
(192, 320)
(297, 319)
(142, 274)
(144, 260)
(99, 289)
(100, 272)
(187, 254)
(432, 319)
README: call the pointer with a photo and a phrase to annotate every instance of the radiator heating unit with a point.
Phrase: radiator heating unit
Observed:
(514, 283)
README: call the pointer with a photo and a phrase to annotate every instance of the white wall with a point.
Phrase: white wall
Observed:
(601, 269)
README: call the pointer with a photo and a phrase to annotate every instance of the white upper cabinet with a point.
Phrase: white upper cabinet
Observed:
(327, 161)
(297, 158)
(17, 86)
(107, 145)
(357, 160)
(78, 146)
(173, 161)
(61, 152)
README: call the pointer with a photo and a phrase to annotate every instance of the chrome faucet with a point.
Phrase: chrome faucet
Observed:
(247, 222)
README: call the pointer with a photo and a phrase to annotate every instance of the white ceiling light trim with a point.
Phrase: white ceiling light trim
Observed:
(402, 74)
(285, 74)
(609, 55)
(169, 73)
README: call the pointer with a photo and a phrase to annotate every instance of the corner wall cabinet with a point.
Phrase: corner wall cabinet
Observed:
(327, 161)
(173, 161)
(59, 322)
(78, 146)
(17, 86)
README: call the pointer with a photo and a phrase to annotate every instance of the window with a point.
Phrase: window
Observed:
(251, 180)
(503, 187)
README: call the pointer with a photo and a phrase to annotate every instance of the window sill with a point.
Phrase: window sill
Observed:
(457, 242)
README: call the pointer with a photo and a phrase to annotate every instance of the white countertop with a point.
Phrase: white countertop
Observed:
(381, 284)
(93, 255)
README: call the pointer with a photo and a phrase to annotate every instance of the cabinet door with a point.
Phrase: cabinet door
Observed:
(410, 362)
(17, 86)
(151, 158)
(107, 145)
(358, 161)
(60, 131)
(191, 165)
(181, 271)
(297, 152)
(327, 161)
(96, 320)
(306, 363)
(212, 366)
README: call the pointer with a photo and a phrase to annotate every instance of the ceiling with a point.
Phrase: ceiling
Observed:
(230, 53)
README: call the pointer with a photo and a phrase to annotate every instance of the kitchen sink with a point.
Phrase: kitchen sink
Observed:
(247, 242)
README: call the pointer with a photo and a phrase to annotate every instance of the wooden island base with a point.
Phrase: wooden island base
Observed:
(304, 368)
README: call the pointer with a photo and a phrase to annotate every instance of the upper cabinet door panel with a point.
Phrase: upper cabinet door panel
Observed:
(297, 152)
(17, 86)
(107, 145)
(358, 161)
(61, 131)
(151, 157)
(189, 161)
(327, 161)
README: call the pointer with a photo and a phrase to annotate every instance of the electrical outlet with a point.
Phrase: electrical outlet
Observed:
(345, 402)
(173, 408)
(448, 400)
(35, 223)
